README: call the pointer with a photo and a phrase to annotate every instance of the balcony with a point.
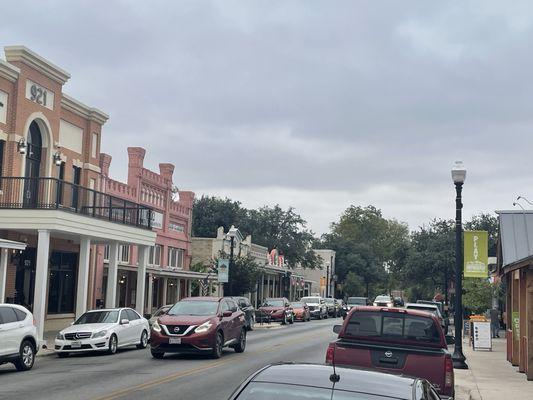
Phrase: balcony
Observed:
(56, 194)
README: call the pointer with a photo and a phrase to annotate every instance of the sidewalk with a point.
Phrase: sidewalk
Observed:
(490, 376)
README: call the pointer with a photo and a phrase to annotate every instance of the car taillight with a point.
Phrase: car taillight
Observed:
(329, 353)
(448, 367)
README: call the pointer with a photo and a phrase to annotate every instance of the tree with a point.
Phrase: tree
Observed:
(243, 275)
(353, 286)
(209, 213)
(477, 295)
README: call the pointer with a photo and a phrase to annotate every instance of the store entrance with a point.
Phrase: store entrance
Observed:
(25, 278)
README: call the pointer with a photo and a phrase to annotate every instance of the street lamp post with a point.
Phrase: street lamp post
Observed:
(458, 176)
(327, 280)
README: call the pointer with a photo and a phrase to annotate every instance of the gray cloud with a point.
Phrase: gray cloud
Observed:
(315, 104)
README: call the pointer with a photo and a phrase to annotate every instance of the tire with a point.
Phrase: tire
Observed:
(144, 341)
(219, 344)
(241, 346)
(26, 356)
(113, 345)
(63, 355)
(250, 326)
(284, 322)
(291, 321)
(157, 354)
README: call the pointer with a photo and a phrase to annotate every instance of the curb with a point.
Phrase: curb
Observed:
(276, 326)
(45, 352)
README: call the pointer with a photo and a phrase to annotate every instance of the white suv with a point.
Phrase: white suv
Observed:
(18, 336)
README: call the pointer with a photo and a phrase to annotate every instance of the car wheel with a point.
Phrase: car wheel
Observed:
(241, 346)
(26, 356)
(113, 345)
(157, 354)
(219, 344)
(63, 355)
(251, 324)
(291, 321)
(284, 322)
(144, 341)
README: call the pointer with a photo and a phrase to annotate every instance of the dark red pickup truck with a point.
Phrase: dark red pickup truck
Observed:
(395, 340)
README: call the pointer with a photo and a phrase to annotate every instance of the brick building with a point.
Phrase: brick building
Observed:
(50, 198)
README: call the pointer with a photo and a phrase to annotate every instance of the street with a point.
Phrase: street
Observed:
(134, 374)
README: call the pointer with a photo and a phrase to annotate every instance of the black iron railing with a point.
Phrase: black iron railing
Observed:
(53, 193)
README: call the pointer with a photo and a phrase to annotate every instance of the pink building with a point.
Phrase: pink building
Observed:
(170, 258)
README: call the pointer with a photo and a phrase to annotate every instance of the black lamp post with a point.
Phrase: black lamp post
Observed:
(458, 176)
(232, 234)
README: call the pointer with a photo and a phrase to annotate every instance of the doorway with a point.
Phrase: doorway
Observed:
(25, 278)
(33, 167)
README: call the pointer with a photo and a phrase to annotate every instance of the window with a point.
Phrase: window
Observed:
(2, 145)
(106, 253)
(62, 282)
(7, 315)
(21, 315)
(132, 315)
(155, 255)
(175, 257)
(94, 145)
(124, 253)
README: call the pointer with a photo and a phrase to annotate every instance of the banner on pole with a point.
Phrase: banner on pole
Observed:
(223, 270)
(476, 256)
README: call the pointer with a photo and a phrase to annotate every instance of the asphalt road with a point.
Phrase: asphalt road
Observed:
(134, 374)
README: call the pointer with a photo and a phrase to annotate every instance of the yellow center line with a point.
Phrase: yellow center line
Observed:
(181, 374)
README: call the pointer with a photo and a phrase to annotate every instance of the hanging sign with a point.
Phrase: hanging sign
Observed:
(476, 258)
(223, 270)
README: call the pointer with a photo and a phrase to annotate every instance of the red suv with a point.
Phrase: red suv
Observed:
(276, 309)
(199, 325)
(396, 340)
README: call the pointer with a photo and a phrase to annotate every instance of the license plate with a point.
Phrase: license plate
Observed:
(75, 345)
(174, 340)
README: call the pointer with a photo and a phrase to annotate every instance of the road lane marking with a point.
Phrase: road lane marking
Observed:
(182, 374)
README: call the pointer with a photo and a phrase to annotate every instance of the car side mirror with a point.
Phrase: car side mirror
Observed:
(124, 321)
(337, 328)
(450, 339)
(227, 314)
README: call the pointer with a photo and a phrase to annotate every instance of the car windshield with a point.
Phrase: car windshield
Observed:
(194, 307)
(161, 311)
(329, 301)
(432, 310)
(98, 317)
(273, 303)
(274, 391)
(297, 305)
(393, 326)
(308, 300)
(382, 298)
(359, 301)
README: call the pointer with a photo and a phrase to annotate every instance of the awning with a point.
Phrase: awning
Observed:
(516, 236)
(11, 244)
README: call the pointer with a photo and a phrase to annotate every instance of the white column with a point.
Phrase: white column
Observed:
(178, 290)
(164, 291)
(41, 281)
(141, 277)
(112, 272)
(150, 294)
(83, 276)
(3, 274)
(190, 287)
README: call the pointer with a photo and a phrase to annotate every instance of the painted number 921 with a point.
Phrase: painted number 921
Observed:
(38, 95)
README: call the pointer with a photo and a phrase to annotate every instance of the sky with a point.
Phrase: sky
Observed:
(317, 105)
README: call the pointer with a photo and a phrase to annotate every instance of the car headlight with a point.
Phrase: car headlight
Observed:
(99, 334)
(204, 327)
(156, 327)
(60, 336)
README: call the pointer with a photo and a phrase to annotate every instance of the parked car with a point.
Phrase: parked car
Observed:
(398, 340)
(18, 337)
(277, 309)
(103, 330)
(160, 311)
(301, 311)
(440, 305)
(317, 306)
(384, 300)
(353, 302)
(202, 325)
(332, 306)
(322, 382)
(248, 310)
(431, 308)
(398, 302)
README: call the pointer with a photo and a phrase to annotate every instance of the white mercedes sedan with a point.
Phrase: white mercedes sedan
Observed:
(103, 330)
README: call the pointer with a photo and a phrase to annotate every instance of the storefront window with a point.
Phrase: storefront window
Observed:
(155, 255)
(124, 254)
(62, 283)
(175, 257)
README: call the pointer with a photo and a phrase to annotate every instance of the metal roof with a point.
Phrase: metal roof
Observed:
(516, 235)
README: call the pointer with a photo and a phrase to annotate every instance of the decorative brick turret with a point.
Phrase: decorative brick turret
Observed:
(135, 165)
(166, 170)
(105, 163)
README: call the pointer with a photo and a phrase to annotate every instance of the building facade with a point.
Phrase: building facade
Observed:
(169, 277)
(320, 281)
(50, 198)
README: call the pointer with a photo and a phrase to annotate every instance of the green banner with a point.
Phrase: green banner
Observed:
(476, 256)
(516, 325)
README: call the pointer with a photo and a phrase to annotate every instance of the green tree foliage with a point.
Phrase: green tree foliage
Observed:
(271, 227)
(367, 245)
(478, 293)
(353, 285)
(243, 275)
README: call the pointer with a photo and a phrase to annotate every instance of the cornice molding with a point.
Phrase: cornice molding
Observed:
(78, 108)
(8, 71)
(28, 57)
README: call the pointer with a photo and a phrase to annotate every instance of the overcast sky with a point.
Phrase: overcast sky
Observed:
(311, 104)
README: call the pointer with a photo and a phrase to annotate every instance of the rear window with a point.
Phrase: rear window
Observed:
(384, 326)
